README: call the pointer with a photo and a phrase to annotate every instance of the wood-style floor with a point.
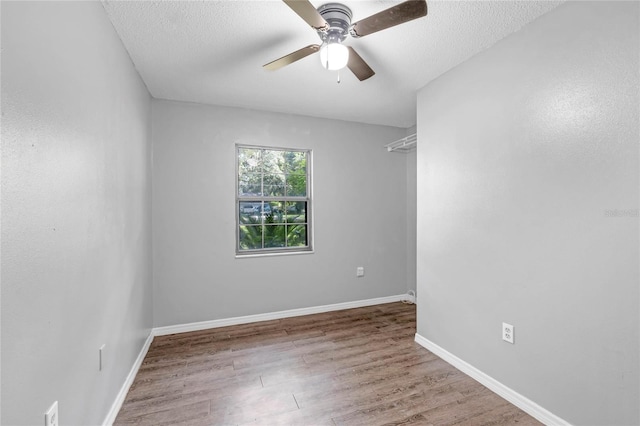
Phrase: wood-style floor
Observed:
(352, 367)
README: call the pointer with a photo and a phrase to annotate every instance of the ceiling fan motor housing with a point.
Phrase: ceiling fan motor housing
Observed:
(338, 16)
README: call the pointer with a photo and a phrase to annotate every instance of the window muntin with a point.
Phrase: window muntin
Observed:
(272, 200)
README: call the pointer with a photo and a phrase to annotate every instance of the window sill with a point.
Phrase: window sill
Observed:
(280, 253)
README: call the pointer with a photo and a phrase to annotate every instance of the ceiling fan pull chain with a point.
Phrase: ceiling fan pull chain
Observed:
(338, 78)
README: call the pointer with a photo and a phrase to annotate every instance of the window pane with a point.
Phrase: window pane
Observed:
(296, 185)
(257, 212)
(274, 236)
(277, 206)
(276, 212)
(249, 160)
(274, 185)
(253, 213)
(273, 162)
(250, 237)
(246, 210)
(296, 162)
(250, 184)
(250, 190)
(296, 212)
(296, 235)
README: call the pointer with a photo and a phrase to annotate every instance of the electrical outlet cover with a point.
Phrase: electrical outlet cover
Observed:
(507, 332)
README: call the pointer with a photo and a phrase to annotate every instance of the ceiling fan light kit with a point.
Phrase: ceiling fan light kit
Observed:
(333, 54)
(332, 22)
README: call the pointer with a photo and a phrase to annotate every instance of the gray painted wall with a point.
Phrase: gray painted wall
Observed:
(411, 172)
(411, 220)
(76, 234)
(527, 212)
(359, 219)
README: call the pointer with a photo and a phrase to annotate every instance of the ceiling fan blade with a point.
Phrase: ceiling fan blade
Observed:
(358, 66)
(292, 57)
(396, 15)
(306, 11)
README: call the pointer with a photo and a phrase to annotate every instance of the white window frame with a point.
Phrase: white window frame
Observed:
(239, 198)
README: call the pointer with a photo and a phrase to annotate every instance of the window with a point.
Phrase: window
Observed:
(273, 200)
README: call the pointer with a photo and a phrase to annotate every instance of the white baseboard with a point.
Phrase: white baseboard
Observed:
(203, 325)
(117, 404)
(505, 392)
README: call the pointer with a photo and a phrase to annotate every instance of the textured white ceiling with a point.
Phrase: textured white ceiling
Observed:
(212, 52)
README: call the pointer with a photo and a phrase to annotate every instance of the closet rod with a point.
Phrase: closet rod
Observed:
(405, 144)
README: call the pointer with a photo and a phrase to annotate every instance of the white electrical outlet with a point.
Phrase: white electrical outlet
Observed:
(507, 332)
(360, 271)
(51, 415)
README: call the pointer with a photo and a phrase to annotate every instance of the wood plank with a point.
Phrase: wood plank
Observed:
(354, 367)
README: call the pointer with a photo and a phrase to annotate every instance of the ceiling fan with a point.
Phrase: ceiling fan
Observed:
(332, 22)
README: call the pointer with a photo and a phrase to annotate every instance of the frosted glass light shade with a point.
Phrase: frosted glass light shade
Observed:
(334, 56)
